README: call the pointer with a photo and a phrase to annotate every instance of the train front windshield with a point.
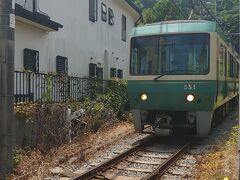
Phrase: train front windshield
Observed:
(170, 54)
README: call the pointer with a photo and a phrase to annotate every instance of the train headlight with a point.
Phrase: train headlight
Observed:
(143, 96)
(190, 98)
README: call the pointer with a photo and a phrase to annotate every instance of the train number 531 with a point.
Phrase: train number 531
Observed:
(189, 86)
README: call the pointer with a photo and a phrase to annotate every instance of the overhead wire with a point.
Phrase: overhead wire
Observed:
(221, 23)
(179, 9)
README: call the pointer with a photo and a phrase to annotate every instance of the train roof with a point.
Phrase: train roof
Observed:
(178, 26)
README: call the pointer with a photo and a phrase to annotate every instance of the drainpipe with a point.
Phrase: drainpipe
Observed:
(35, 7)
(7, 30)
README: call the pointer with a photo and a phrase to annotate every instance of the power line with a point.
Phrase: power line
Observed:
(179, 9)
(221, 24)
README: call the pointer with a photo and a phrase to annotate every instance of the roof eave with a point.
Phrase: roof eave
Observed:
(37, 18)
(134, 6)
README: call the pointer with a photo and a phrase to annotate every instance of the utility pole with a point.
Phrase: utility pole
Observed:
(7, 28)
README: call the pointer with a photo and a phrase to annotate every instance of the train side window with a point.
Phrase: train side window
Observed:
(220, 56)
(231, 65)
(225, 62)
(237, 70)
(228, 65)
(233, 68)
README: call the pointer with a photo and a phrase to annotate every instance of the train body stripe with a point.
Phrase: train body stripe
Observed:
(171, 95)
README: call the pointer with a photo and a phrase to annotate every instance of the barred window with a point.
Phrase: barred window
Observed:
(104, 12)
(120, 73)
(31, 60)
(99, 73)
(93, 6)
(112, 72)
(124, 28)
(110, 16)
(92, 70)
(62, 65)
(95, 71)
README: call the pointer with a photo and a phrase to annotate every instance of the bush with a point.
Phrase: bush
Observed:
(97, 114)
(51, 126)
(47, 122)
(116, 97)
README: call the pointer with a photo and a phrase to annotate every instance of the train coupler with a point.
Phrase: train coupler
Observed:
(163, 132)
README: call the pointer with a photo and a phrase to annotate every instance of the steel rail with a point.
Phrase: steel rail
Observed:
(102, 167)
(167, 164)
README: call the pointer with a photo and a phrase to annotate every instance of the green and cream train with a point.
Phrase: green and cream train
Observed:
(183, 77)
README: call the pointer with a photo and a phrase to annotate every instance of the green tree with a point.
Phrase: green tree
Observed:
(225, 11)
(143, 4)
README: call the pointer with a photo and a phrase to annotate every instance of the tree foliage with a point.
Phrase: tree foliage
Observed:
(226, 12)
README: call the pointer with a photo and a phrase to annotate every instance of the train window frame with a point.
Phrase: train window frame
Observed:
(209, 46)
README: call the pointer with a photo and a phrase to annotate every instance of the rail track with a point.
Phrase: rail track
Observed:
(149, 159)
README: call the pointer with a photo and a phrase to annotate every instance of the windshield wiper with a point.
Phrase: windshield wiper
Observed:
(156, 78)
(170, 73)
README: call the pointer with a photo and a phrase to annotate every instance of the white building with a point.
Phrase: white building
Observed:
(77, 37)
